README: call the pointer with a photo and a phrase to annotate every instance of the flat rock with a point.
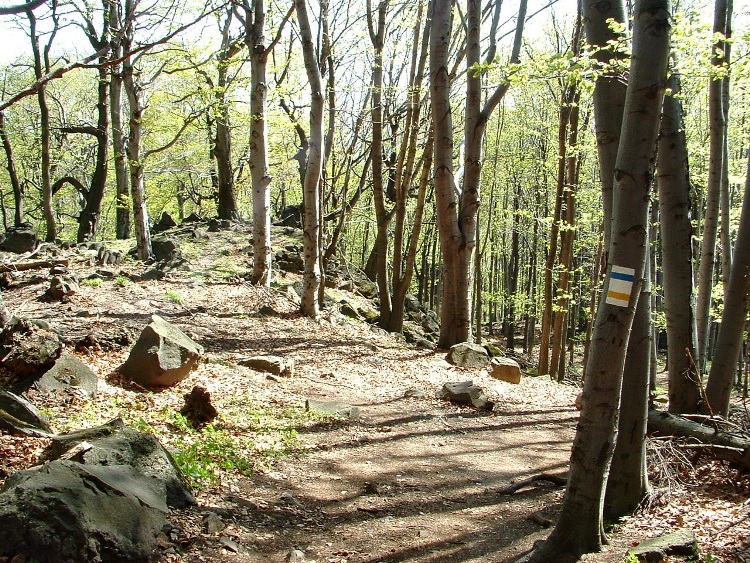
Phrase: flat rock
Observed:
(468, 355)
(466, 393)
(19, 416)
(269, 364)
(505, 369)
(655, 550)
(163, 355)
(335, 408)
(69, 373)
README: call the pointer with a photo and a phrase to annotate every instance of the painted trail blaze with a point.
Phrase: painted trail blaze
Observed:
(620, 286)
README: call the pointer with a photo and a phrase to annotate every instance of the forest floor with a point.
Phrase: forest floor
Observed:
(411, 478)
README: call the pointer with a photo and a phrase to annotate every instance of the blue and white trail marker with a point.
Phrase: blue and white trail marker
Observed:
(620, 286)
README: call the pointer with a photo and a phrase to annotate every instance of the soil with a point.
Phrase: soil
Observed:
(411, 478)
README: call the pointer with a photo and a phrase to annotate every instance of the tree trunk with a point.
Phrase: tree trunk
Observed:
(729, 341)
(261, 175)
(713, 190)
(119, 136)
(677, 236)
(314, 172)
(18, 192)
(580, 526)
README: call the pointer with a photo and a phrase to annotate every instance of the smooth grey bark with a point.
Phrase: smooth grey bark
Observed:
(729, 341)
(716, 125)
(724, 197)
(580, 526)
(677, 254)
(311, 220)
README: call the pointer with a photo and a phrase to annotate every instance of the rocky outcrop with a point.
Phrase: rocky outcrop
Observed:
(468, 355)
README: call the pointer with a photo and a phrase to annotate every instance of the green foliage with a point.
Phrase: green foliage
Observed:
(123, 281)
(174, 296)
(92, 282)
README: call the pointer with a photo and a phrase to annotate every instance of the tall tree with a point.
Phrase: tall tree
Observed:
(677, 252)
(313, 174)
(457, 210)
(580, 526)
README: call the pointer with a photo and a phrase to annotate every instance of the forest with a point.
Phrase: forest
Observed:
(567, 178)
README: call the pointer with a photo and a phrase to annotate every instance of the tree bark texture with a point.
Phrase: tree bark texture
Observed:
(313, 174)
(677, 255)
(119, 136)
(580, 526)
(18, 192)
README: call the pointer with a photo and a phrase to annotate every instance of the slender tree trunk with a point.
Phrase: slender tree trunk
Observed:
(713, 192)
(18, 192)
(261, 175)
(729, 341)
(677, 253)
(580, 526)
(724, 199)
(314, 172)
(119, 136)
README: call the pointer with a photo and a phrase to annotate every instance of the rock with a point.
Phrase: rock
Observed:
(192, 218)
(415, 394)
(431, 322)
(295, 556)
(293, 296)
(198, 408)
(288, 498)
(270, 364)
(106, 257)
(69, 373)
(20, 239)
(230, 545)
(66, 511)
(466, 393)
(348, 311)
(166, 249)
(368, 288)
(412, 304)
(114, 445)
(212, 523)
(61, 287)
(468, 355)
(27, 349)
(163, 355)
(505, 369)
(165, 222)
(655, 550)
(493, 351)
(291, 216)
(19, 416)
(335, 408)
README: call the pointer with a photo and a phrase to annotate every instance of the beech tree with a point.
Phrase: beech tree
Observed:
(580, 526)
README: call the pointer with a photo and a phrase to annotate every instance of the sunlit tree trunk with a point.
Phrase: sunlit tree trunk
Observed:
(119, 135)
(580, 526)
(18, 192)
(729, 341)
(716, 129)
(313, 174)
(677, 253)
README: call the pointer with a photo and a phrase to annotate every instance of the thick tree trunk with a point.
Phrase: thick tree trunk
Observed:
(119, 136)
(677, 252)
(580, 526)
(729, 341)
(311, 224)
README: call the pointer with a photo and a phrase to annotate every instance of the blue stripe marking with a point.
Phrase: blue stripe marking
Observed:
(622, 276)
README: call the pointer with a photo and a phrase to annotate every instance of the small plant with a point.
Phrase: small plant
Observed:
(92, 282)
(123, 281)
(174, 296)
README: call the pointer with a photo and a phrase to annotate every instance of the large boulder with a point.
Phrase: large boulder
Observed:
(505, 369)
(67, 511)
(163, 355)
(468, 355)
(165, 222)
(20, 239)
(113, 444)
(466, 393)
(69, 373)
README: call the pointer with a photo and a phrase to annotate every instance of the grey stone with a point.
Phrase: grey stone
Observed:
(466, 393)
(505, 369)
(66, 511)
(163, 355)
(296, 556)
(20, 239)
(62, 286)
(166, 221)
(269, 364)
(493, 351)
(212, 523)
(468, 355)
(67, 373)
(335, 408)
(19, 416)
(412, 304)
(348, 311)
(165, 249)
(368, 288)
(114, 445)
(655, 550)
